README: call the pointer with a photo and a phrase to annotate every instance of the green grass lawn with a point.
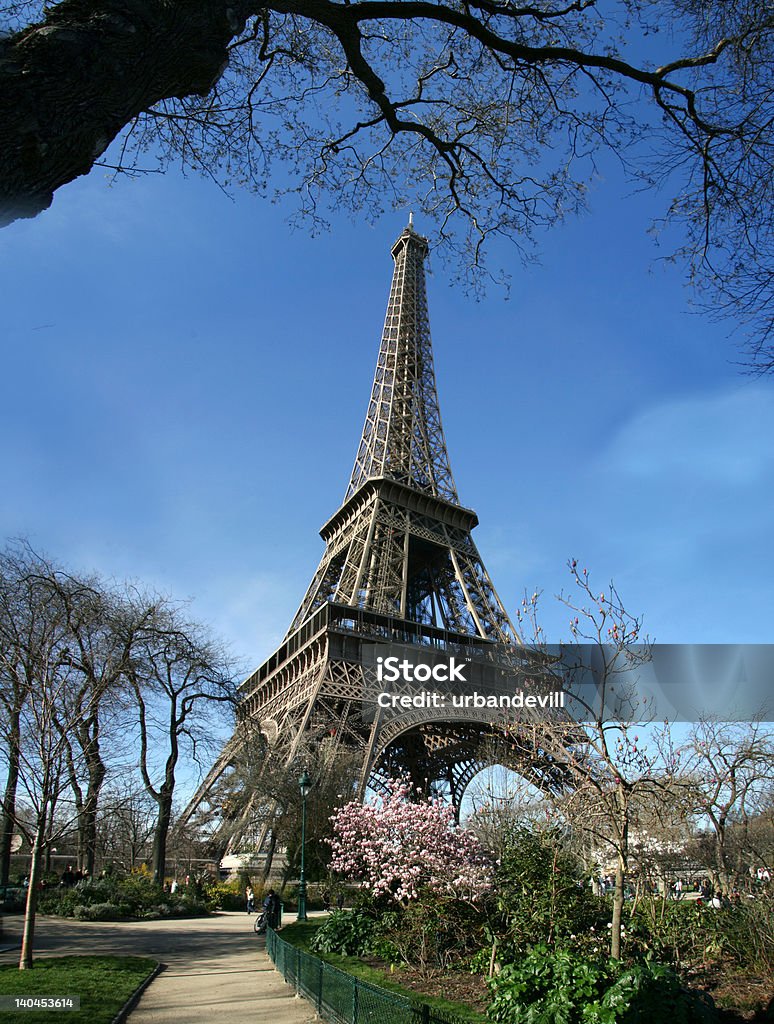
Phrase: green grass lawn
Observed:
(300, 934)
(103, 983)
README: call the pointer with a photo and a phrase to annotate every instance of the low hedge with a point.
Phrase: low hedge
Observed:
(135, 897)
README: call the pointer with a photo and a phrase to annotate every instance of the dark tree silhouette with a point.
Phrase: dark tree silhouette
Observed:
(488, 113)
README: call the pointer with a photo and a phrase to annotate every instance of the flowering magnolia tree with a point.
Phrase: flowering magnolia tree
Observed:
(404, 849)
(609, 774)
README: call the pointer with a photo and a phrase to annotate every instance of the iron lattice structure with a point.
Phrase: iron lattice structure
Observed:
(401, 543)
(400, 566)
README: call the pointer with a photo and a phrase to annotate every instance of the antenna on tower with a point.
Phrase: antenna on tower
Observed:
(411, 220)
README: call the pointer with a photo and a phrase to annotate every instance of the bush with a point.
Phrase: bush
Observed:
(647, 992)
(139, 891)
(690, 934)
(189, 906)
(64, 901)
(560, 987)
(100, 912)
(421, 935)
(679, 933)
(14, 899)
(350, 933)
(136, 896)
(747, 929)
(433, 936)
(541, 893)
(226, 895)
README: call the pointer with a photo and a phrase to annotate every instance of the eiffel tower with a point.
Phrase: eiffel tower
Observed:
(401, 569)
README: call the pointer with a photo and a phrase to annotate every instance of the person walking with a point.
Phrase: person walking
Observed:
(250, 898)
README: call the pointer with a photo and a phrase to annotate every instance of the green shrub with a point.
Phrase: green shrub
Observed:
(189, 906)
(98, 912)
(106, 899)
(548, 987)
(64, 901)
(349, 933)
(432, 935)
(680, 933)
(423, 934)
(541, 893)
(648, 992)
(15, 899)
(384, 944)
(688, 934)
(226, 895)
(747, 930)
(480, 961)
(140, 891)
(557, 986)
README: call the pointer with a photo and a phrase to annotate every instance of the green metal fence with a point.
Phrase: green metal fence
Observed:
(341, 999)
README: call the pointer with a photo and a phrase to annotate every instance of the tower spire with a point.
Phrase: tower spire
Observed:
(402, 437)
(400, 544)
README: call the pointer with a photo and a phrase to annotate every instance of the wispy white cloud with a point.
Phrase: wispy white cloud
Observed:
(681, 503)
(723, 439)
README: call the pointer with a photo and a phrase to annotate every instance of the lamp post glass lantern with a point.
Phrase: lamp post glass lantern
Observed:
(305, 785)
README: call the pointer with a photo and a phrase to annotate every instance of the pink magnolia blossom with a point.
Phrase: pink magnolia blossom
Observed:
(405, 848)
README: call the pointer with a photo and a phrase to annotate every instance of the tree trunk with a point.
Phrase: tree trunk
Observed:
(9, 799)
(49, 830)
(69, 84)
(618, 903)
(160, 835)
(87, 840)
(28, 935)
(87, 825)
(622, 851)
(717, 885)
(269, 857)
(86, 806)
(721, 866)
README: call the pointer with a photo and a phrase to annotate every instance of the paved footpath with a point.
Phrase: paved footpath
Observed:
(215, 968)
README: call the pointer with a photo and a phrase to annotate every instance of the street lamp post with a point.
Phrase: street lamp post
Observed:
(304, 784)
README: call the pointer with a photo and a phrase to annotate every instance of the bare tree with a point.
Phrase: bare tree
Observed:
(488, 113)
(97, 652)
(71, 652)
(181, 680)
(334, 771)
(102, 633)
(760, 834)
(610, 772)
(662, 833)
(500, 801)
(16, 673)
(731, 770)
(45, 716)
(125, 825)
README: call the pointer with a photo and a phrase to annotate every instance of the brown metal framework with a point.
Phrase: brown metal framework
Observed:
(400, 566)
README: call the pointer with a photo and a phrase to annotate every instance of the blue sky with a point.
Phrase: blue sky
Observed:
(185, 381)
